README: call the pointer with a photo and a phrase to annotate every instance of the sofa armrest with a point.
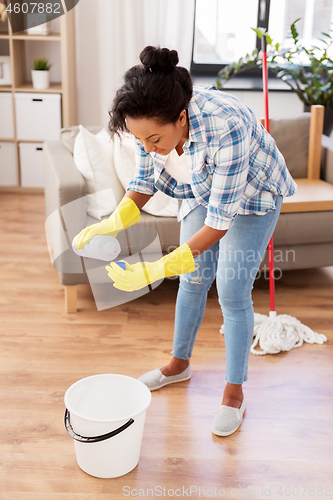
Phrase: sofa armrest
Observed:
(65, 206)
(63, 181)
(327, 159)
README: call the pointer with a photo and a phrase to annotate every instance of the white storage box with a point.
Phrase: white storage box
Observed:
(38, 116)
(31, 164)
(6, 116)
(8, 168)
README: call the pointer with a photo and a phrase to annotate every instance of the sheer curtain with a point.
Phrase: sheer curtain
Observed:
(110, 36)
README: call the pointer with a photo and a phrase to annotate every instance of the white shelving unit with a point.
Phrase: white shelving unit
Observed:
(30, 116)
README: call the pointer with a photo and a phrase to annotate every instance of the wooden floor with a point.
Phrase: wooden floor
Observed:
(284, 448)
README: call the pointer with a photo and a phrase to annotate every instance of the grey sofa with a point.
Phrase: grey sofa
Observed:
(302, 240)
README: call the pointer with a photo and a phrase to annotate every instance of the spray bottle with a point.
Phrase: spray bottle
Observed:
(105, 248)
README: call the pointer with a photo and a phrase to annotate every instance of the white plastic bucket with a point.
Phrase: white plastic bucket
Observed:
(105, 415)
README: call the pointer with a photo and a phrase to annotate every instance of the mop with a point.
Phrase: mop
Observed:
(276, 333)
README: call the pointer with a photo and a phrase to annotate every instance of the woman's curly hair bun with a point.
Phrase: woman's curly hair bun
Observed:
(156, 59)
(158, 88)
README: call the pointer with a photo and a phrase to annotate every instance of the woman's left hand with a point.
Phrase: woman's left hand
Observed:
(134, 277)
(142, 274)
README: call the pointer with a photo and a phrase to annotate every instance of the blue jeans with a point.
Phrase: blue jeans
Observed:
(234, 262)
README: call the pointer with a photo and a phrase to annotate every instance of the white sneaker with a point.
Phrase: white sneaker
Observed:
(154, 379)
(228, 419)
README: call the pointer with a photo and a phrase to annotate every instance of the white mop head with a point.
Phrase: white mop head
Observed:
(280, 333)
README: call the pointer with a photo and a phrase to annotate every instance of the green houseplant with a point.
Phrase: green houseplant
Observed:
(312, 81)
(3, 11)
(40, 73)
(42, 64)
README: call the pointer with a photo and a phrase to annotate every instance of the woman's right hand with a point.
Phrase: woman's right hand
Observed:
(106, 227)
(126, 214)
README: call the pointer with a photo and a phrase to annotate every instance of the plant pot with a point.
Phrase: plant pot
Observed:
(328, 119)
(40, 79)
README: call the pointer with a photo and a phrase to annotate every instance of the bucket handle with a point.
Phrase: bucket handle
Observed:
(94, 439)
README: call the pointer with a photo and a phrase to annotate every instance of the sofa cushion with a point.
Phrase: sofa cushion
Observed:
(292, 138)
(93, 157)
(68, 135)
(304, 228)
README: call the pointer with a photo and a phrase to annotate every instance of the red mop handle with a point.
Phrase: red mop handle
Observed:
(265, 80)
(271, 274)
(270, 244)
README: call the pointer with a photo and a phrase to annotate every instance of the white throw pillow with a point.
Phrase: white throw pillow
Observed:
(93, 157)
(124, 161)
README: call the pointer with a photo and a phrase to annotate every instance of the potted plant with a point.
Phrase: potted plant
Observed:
(308, 71)
(40, 74)
(3, 11)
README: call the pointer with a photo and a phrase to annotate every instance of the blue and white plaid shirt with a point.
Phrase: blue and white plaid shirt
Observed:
(234, 163)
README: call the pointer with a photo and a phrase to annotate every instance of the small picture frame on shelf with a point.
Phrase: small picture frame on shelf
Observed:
(5, 73)
(42, 28)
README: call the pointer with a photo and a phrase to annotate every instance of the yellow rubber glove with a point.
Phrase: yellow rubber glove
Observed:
(125, 215)
(141, 274)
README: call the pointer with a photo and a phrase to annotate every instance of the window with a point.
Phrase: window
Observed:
(223, 32)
